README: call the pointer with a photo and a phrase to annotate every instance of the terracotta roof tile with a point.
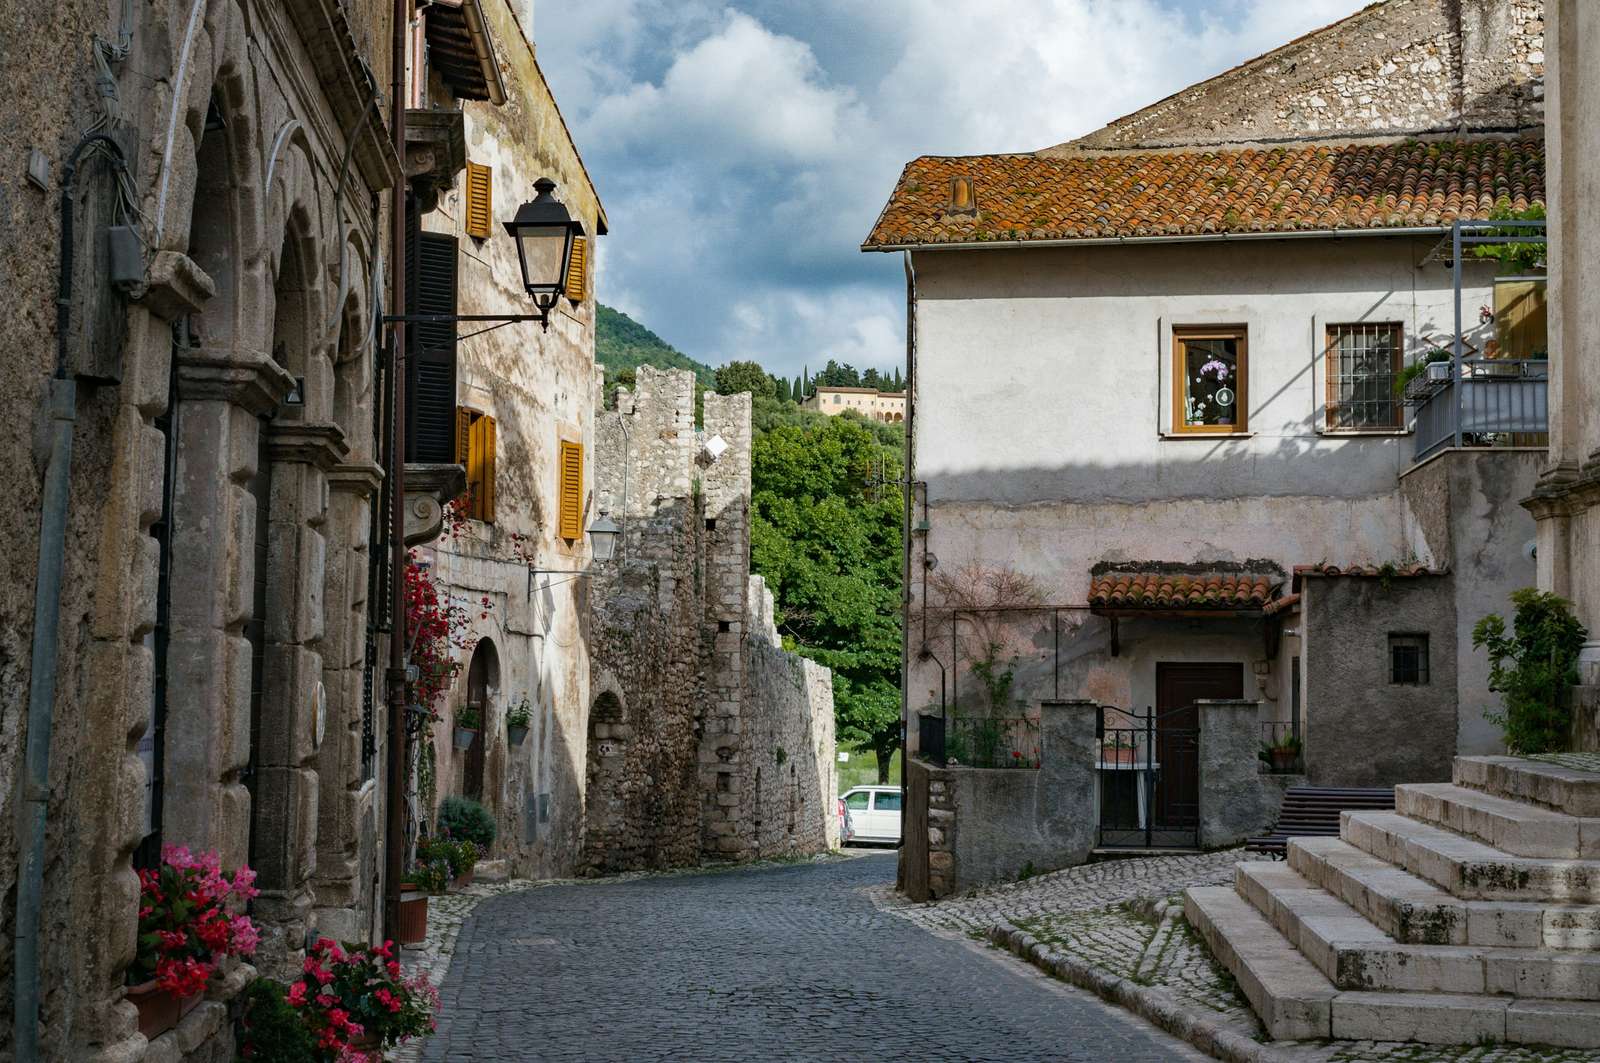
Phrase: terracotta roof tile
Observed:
(1360, 185)
(1168, 590)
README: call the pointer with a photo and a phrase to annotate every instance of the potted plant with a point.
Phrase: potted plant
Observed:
(186, 929)
(358, 1002)
(459, 857)
(518, 721)
(1117, 749)
(414, 907)
(468, 721)
(1282, 755)
(463, 819)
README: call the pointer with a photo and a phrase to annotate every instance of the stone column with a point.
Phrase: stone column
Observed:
(294, 710)
(222, 394)
(1230, 787)
(346, 821)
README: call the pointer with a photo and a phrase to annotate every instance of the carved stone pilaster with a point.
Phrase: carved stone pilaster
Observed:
(429, 488)
(436, 150)
(246, 378)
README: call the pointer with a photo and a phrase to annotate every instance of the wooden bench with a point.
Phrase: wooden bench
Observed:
(1313, 811)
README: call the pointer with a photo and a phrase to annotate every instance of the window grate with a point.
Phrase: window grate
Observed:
(1362, 363)
(1408, 660)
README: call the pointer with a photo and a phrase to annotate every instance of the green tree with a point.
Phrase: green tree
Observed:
(735, 377)
(834, 375)
(784, 393)
(871, 379)
(828, 544)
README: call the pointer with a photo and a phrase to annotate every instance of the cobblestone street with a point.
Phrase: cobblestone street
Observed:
(785, 963)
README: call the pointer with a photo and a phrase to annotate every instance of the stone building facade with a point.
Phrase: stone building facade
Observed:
(538, 389)
(706, 738)
(211, 688)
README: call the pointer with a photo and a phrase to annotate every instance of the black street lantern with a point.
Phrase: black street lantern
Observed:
(544, 232)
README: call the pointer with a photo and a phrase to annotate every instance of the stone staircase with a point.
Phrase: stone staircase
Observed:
(1471, 913)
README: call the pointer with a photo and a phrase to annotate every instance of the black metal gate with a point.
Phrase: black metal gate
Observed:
(1149, 779)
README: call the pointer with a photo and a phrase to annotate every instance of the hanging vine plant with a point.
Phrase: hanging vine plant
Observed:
(437, 634)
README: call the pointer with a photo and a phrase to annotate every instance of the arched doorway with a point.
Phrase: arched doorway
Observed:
(483, 680)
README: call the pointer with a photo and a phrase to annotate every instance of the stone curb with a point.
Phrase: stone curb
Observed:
(1154, 1005)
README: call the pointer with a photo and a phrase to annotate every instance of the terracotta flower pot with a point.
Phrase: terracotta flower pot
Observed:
(413, 916)
(1283, 760)
(462, 881)
(159, 1010)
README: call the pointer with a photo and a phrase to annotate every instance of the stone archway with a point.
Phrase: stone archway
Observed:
(483, 686)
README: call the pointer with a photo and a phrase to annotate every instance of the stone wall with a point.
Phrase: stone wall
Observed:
(791, 769)
(1360, 728)
(1396, 67)
(706, 738)
(1237, 799)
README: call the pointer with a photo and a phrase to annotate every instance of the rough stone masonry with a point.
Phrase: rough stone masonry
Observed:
(706, 738)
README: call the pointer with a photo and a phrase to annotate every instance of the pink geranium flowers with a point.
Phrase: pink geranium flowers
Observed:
(348, 995)
(186, 924)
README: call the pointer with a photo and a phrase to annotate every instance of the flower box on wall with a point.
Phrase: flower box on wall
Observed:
(517, 733)
(159, 1009)
(465, 736)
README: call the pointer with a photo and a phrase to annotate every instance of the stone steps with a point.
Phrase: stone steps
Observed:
(1515, 827)
(1297, 1002)
(1355, 955)
(1410, 909)
(1467, 868)
(1577, 793)
(1293, 999)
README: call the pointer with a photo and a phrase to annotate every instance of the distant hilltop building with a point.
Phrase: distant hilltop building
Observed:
(887, 406)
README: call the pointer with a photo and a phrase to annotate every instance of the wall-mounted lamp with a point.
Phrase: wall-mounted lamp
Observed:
(604, 534)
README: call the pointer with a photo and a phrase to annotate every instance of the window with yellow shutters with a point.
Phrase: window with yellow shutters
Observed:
(577, 270)
(480, 201)
(570, 490)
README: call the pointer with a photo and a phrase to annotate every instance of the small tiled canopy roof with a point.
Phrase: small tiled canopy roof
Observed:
(1198, 192)
(1158, 591)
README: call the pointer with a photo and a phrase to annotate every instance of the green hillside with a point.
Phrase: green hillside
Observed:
(621, 343)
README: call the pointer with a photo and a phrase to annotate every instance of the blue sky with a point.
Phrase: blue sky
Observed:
(743, 150)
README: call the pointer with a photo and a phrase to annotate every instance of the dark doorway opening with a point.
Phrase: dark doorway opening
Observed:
(483, 675)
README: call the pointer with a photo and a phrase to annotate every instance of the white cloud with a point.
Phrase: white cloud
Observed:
(743, 151)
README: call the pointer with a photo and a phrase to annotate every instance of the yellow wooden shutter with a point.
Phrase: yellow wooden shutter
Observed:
(571, 490)
(463, 434)
(480, 201)
(577, 270)
(486, 448)
(475, 468)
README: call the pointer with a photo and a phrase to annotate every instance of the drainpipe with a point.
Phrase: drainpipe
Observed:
(395, 774)
(908, 474)
(46, 623)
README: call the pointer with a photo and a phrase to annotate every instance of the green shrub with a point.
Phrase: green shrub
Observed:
(270, 1031)
(463, 819)
(1532, 668)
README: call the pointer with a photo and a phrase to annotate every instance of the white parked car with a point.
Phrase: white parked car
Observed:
(870, 814)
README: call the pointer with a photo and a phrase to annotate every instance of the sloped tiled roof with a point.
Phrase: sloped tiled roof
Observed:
(1300, 187)
(1157, 590)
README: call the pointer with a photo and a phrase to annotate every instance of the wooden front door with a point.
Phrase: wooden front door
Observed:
(478, 680)
(1178, 686)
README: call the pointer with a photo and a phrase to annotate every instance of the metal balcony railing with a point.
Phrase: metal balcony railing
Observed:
(1495, 403)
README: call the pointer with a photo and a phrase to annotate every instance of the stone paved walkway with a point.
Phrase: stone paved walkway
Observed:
(1121, 921)
(778, 963)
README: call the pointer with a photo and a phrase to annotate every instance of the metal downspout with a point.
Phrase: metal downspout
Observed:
(395, 773)
(908, 476)
(46, 623)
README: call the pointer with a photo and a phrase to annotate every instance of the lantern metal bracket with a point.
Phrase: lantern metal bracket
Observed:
(501, 320)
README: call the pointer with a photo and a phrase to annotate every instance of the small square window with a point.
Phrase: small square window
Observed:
(1408, 659)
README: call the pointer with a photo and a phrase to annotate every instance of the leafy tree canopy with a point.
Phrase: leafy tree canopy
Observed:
(827, 539)
(735, 377)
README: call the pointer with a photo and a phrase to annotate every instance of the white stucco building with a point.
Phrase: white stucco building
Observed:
(1158, 446)
(886, 406)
